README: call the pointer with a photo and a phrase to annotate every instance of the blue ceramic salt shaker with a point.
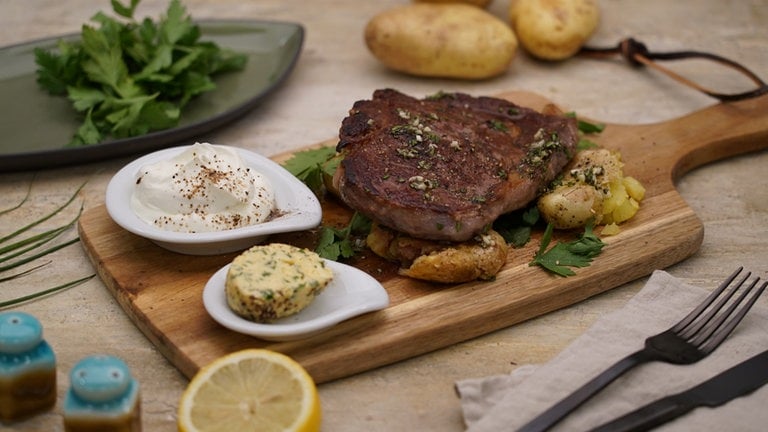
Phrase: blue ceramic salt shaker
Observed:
(27, 367)
(103, 396)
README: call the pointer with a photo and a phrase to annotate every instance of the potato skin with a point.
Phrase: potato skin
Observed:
(440, 261)
(571, 206)
(463, 263)
(478, 3)
(553, 29)
(451, 40)
(593, 188)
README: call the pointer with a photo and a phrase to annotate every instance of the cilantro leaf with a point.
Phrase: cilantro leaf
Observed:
(578, 253)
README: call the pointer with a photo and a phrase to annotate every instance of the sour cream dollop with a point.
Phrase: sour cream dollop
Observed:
(205, 188)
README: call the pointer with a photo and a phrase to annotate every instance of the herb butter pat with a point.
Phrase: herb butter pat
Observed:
(272, 281)
(205, 188)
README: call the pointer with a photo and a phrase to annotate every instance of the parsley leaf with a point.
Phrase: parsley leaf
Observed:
(124, 11)
(336, 243)
(578, 253)
(128, 78)
(516, 227)
(310, 165)
(586, 128)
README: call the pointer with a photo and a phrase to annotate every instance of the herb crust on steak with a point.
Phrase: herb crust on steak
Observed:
(446, 166)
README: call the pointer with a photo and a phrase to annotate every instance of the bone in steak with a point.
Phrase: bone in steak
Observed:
(446, 166)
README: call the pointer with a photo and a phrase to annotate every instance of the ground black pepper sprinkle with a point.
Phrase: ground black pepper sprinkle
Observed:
(211, 189)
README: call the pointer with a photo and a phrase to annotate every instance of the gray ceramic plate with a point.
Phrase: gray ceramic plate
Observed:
(34, 126)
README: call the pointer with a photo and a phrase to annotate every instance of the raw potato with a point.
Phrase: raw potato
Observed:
(553, 29)
(481, 258)
(478, 3)
(451, 40)
(593, 188)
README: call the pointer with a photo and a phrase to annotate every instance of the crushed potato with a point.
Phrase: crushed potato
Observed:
(480, 258)
(593, 188)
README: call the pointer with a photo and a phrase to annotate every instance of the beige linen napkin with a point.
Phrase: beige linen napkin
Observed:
(505, 403)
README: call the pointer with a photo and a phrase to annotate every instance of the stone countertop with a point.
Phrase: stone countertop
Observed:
(334, 70)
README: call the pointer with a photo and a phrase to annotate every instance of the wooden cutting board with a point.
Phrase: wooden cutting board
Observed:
(161, 290)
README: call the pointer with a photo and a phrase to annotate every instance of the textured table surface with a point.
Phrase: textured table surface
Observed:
(334, 70)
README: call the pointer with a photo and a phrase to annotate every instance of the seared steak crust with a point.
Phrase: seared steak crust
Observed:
(445, 167)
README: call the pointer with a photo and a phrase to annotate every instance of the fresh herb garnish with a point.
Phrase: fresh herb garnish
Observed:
(516, 226)
(577, 253)
(310, 165)
(336, 243)
(127, 78)
(586, 128)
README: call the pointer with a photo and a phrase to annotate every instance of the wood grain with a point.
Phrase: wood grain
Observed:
(161, 291)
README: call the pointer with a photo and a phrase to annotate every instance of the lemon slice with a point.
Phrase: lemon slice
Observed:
(253, 390)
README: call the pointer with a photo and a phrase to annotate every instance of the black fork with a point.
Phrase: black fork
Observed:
(690, 340)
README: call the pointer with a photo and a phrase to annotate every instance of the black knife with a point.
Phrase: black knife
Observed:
(740, 380)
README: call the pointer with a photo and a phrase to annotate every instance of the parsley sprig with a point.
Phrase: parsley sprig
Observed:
(309, 166)
(336, 243)
(127, 77)
(516, 227)
(577, 253)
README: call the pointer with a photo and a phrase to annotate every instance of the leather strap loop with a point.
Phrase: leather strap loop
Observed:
(638, 55)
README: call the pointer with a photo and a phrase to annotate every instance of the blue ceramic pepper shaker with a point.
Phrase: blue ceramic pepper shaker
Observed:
(27, 367)
(103, 396)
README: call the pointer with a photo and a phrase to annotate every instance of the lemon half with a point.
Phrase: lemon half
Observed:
(253, 390)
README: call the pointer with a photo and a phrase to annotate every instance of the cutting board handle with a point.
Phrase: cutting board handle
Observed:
(721, 131)
(676, 146)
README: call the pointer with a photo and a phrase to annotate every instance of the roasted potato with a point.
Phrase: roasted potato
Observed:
(593, 188)
(450, 40)
(571, 206)
(480, 258)
(553, 29)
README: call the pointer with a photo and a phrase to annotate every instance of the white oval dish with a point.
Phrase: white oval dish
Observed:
(352, 292)
(298, 206)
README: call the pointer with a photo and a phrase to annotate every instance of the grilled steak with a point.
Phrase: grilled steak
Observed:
(445, 167)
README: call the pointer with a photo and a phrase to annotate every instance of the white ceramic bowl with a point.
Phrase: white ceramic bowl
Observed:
(298, 206)
(352, 292)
